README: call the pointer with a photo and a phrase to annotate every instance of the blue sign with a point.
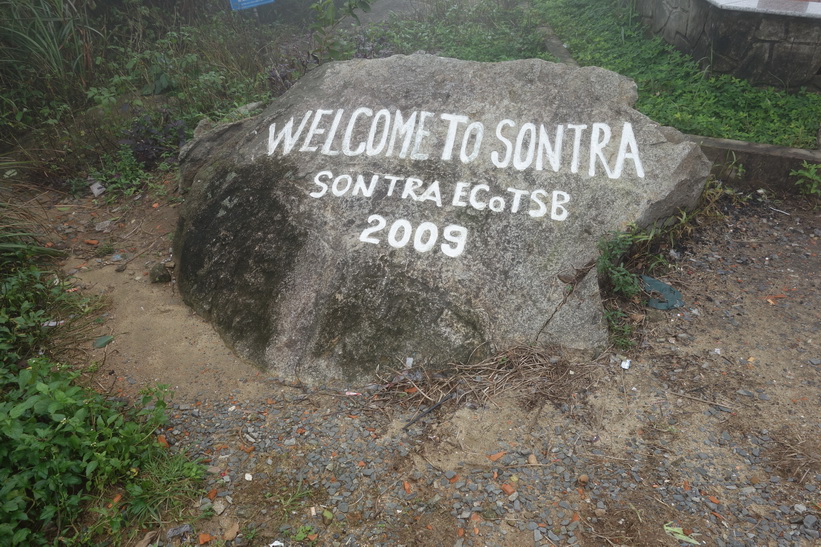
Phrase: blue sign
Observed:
(245, 4)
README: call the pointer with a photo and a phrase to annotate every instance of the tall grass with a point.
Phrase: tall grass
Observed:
(44, 41)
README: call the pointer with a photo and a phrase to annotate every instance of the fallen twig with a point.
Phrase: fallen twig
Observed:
(705, 401)
(428, 411)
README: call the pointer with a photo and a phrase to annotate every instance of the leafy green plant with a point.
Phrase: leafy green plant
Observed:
(59, 441)
(121, 173)
(610, 264)
(290, 500)
(808, 178)
(328, 44)
(62, 444)
(303, 533)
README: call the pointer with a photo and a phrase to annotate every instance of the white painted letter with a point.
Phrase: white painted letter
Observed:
(290, 138)
(374, 150)
(411, 184)
(577, 141)
(475, 203)
(346, 140)
(555, 155)
(628, 139)
(534, 197)
(497, 204)
(523, 163)
(322, 186)
(326, 148)
(401, 127)
(314, 130)
(336, 190)
(557, 212)
(459, 194)
(455, 120)
(421, 133)
(360, 188)
(517, 198)
(393, 180)
(494, 156)
(599, 138)
(432, 194)
(479, 129)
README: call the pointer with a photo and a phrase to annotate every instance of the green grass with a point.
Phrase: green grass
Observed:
(672, 88)
(472, 31)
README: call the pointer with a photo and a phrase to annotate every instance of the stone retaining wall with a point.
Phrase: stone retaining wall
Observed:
(768, 42)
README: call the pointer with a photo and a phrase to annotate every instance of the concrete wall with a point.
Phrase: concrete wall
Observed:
(768, 42)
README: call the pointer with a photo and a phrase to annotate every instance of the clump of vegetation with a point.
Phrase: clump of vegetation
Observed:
(808, 178)
(673, 89)
(62, 445)
(625, 256)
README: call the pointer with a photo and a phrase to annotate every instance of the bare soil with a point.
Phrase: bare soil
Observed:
(738, 361)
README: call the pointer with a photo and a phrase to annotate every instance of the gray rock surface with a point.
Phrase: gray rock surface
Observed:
(420, 207)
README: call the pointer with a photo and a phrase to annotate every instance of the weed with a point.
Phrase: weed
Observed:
(104, 249)
(249, 533)
(610, 264)
(303, 533)
(620, 328)
(808, 178)
(165, 486)
(121, 173)
(154, 139)
(289, 501)
(327, 44)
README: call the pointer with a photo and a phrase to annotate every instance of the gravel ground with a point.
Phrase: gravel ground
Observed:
(698, 434)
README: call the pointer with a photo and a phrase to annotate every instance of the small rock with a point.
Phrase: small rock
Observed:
(583, 479)
(810, 521)
(104, 226)
(219, 506)
(179, 530)
(532, 459)
(159, 274)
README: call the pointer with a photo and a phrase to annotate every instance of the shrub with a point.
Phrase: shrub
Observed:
(60, 443)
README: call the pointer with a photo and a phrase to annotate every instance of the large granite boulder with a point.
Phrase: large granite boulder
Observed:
(420, 207)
